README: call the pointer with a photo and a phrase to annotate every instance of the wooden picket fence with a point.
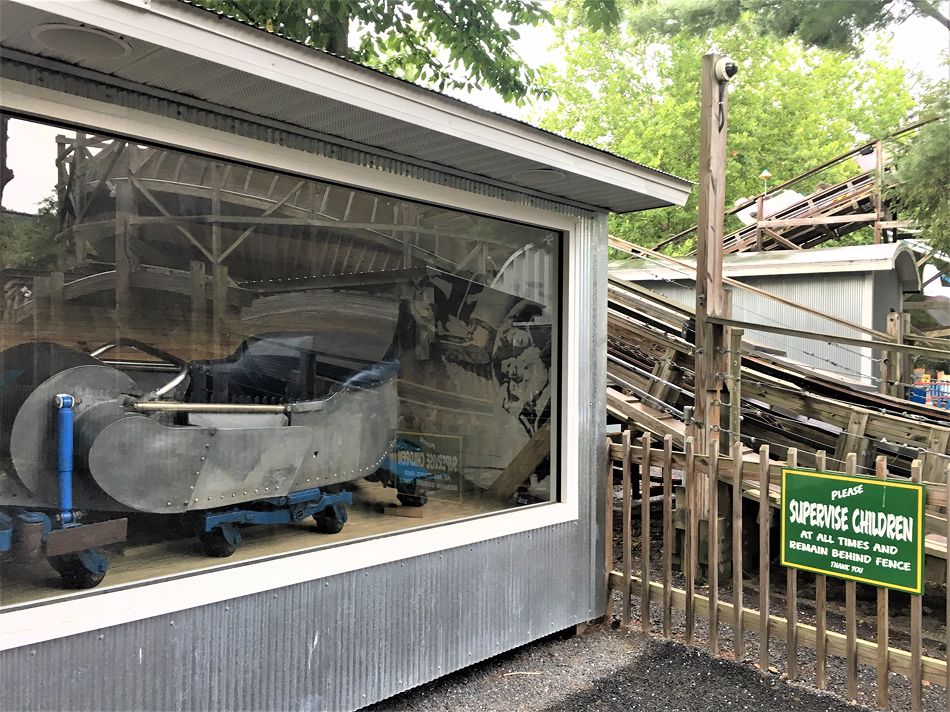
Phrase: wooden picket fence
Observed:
(683, 473)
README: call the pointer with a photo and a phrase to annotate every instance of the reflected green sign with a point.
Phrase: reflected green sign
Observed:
(856, 528)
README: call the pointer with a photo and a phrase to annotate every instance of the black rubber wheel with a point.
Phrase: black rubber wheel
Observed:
(411, 500)
(76, 573)
(328, 523)
(216, 544)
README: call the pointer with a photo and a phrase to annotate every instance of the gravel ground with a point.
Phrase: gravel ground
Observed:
(606, 669)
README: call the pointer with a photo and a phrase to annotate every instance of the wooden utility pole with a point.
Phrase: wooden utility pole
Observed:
(710, 338)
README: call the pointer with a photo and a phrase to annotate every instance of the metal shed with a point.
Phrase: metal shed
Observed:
(205, 111)
(860, 284)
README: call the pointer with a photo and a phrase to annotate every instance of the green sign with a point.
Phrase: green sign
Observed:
(440, 454)
(857, 528)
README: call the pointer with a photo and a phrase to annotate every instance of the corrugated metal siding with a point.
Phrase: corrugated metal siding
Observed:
(349, 640)
(331, 644)
(842, 295)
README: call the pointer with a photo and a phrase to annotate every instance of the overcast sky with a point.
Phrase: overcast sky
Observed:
(918, 43)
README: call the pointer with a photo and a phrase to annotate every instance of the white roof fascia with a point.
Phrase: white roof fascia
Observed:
(199, 33)
(777, 263)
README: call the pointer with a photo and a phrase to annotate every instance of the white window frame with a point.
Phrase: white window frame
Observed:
(74, 613)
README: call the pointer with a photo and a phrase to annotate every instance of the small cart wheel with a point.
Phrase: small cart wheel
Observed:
(412, 500)
(329, 521)
(219, 542)
(84, 569)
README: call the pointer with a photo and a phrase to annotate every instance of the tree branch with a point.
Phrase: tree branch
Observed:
(926, 8)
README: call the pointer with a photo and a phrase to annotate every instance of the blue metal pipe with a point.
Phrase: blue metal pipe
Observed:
(64, 406)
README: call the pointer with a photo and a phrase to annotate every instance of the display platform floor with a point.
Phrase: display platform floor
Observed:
(375, 512)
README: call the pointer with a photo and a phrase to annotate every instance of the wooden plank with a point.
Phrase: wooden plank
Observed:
(645, 416)
(523, 464)
(645, 572)
(735, 452)
(933, 466)
(608, 527)
(627, 531)
(899, 661)
(883, 614)
(791, 600)
(821, 220)
(851, 614)
(712, 567)
(826, 337)
(664, 370)
(821, 608)
(692, 526)
(765, 514)
(852, 439)
(916, 626)
(199, 306)
(780, 239)
(668, 534)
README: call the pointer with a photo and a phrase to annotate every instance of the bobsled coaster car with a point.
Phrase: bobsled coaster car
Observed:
(260, 437)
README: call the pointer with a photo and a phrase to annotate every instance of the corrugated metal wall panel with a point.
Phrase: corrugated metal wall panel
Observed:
(348, 640)
(331, 644)
(842, 295)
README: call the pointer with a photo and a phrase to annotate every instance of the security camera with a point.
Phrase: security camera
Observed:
(726, 69)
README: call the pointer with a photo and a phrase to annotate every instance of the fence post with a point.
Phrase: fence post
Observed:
(645, 443)
(916, 627)
(765, 516)
(713, 556)
(883, 614)
(691, 538)
(735, 451)
(667, 535)
(947, 681)
(850, 616)
(627, 533)
(791, 599)
(821, 607)
(609, 529)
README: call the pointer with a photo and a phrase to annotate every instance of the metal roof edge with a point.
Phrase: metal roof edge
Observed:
(898, 257)
(201, 33)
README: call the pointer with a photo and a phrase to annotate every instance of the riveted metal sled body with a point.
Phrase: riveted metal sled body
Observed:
(253, 438)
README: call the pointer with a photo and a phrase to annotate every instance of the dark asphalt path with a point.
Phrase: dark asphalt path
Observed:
(607, 670)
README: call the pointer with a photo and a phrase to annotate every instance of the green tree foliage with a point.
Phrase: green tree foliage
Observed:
(459, 44)
(830, 24)
(919, 185)
(30, 241)
(791, 108)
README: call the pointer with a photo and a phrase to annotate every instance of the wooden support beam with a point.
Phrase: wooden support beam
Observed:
(822, 220)
(830, 338)
(781, 240)
(124, 257)
(199, 307)
(710, 337)
(523, 464)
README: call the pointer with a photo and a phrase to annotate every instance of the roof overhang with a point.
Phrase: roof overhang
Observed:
(179, 49)
(897, 257)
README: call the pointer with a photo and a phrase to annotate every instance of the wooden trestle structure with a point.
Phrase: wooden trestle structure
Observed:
(651, 369)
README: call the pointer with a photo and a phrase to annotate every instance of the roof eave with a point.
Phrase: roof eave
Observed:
(199, 33)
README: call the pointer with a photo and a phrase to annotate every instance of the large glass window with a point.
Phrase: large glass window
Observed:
(203, 360)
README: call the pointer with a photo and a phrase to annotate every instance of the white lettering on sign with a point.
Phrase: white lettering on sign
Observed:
(847, 492)
(892, 564)
(817, 514)
(895, 527)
